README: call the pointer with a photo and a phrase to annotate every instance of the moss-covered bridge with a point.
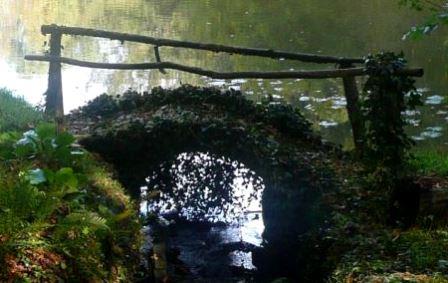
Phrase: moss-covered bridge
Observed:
(138, 132)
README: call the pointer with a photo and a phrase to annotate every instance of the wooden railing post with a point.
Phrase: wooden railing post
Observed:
(354, 109)
(54, 103)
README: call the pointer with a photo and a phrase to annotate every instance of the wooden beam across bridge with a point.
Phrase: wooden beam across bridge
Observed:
(315, 74)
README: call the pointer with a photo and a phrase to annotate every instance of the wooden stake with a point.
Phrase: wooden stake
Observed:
(354, 110)
(54, 98)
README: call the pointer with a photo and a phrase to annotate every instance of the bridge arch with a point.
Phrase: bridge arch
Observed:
(138, 132)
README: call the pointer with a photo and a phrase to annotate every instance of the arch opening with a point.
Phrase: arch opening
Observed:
(214, 205)
(200, 186)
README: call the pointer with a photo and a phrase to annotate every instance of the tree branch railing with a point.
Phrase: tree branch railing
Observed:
(160, 42)
(347, 70)
(320, 74)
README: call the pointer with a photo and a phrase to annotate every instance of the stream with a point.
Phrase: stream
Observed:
(190, 236)
(205, 252)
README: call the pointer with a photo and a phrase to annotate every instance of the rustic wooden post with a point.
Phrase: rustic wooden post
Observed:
(354, 109)
(54, 104)
(158, 60)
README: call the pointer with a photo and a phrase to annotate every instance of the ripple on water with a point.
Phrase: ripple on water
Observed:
(411, 112)
(434, 100)
(235, 87)
(429, 133)
(413, 122)
(339, 102)
(238, 81)
(217, 83)
(328, 124)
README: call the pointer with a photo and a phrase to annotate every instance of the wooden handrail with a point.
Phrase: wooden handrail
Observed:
(315, 74)
(269, 53)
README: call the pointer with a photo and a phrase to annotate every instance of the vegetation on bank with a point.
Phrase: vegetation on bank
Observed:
(62, 216)
(16, 113)
(368, 247)
(389, 219)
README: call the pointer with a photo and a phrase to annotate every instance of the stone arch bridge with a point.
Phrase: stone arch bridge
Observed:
(137, 132)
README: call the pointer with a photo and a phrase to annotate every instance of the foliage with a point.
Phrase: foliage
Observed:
(15, 113)
(57, 223)
(366, 249)
(439, 16)
(389, 254)
(387, 95)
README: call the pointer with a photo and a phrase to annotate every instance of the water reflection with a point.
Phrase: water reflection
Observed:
(306, 26)
(214, 206)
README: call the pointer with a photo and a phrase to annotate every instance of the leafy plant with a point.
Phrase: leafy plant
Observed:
(57, 221)
(386, 95)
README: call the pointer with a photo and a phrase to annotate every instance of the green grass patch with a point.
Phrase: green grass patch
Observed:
(431, 161)
(424, 250)
(15, 113)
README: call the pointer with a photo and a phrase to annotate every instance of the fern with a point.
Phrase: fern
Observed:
(80, 221)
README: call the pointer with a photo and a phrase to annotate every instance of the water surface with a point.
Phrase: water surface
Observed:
(336, 27)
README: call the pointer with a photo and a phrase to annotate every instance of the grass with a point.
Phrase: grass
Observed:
(430, 162)
(15, 113)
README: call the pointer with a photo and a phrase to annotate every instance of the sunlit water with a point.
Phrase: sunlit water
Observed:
(338, 27)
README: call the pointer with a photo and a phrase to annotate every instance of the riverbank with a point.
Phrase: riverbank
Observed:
(62, 215)
(369, 247)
